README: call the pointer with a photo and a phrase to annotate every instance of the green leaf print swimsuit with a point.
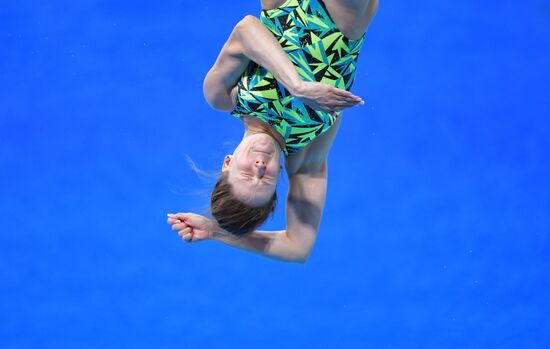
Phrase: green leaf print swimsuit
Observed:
(320, 53)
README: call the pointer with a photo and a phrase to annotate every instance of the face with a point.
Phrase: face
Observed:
(254, 168)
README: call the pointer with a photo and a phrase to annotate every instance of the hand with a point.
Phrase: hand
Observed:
(324, 97)
(192, 227)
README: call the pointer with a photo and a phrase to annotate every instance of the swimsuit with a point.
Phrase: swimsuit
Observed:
(319, 51)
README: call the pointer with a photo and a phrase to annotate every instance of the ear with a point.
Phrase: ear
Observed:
(226, 162)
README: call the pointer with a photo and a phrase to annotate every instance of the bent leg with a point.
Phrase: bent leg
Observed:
(222, 78)
(249, 41)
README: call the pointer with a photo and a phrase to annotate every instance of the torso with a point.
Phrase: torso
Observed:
(320, 51)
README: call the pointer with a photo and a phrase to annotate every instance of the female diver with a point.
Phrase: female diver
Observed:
(287, 78)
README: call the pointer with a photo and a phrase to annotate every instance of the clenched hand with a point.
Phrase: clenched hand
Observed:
(192, 227)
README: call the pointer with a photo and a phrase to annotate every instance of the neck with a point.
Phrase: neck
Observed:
(254, 125)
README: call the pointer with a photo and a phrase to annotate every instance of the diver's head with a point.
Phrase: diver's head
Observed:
(245, 194)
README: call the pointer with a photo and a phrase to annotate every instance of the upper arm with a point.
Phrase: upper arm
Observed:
(307, 190)
(304, 208)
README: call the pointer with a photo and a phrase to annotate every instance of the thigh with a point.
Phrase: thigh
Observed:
(313, 158)
(352, 17)
(220, 81)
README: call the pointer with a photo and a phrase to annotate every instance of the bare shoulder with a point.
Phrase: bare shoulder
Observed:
(352, 16)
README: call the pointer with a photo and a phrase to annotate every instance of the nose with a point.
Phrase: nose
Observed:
(260, 165)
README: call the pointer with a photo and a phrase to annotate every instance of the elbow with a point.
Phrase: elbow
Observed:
(214, 94)
(208, 90)
(304, 255)
(301, 256)
(302, 260)
(247, 27)
(297, 259)
(298, 248)
(247, 22)
(217, 104)
(373, 7)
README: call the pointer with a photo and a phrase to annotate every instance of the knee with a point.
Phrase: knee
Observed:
(247, 23)
(249, 20)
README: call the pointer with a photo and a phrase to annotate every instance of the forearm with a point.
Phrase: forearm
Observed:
(259, 45)
(277, 244)
(274, 244)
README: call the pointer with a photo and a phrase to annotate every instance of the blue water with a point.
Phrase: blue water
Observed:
(436, 232)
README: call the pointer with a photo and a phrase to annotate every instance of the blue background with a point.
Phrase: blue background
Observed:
(436, 228)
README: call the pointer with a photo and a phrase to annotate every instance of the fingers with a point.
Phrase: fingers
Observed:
(347, 96)
(186, 234)
(172, 221)
(185, 231)
(179, 226)
(335, 107)
(343, 93)
(350, 99)
(180, 216)
(345, 105)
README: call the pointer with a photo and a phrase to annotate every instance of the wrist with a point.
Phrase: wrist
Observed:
(296, 88)
(217, 233)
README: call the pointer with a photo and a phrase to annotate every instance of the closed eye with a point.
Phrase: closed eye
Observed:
(267, 180)
(247, 176)
(264, 180)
